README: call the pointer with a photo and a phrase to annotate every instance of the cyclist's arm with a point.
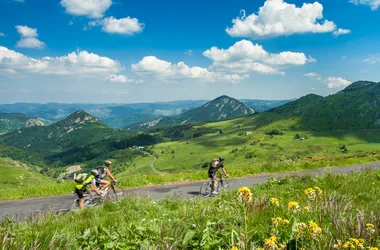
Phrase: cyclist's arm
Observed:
(224, 171)
(108, 172)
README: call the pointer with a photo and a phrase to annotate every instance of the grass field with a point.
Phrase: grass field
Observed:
(18, 181)
(327, 212)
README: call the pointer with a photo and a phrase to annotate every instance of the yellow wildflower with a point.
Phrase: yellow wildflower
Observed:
(358, 242)
(315, 230)
(373, 248)
(245, 194)
(282, 245)
(318, 190)
(299, 230)
(348, 245)
(307, 208)
(310, 193)
(370, 228)
(234, 248)
(293, 205)
(260, 248)
(275, 202)
(286, 221)
(271, 243)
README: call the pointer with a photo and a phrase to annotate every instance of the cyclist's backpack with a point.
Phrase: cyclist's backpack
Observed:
(101, 171)
(214, 163)
(80, 178)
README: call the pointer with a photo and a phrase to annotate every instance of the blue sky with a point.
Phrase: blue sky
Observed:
(144, 51)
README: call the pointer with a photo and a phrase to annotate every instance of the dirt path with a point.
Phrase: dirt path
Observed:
(22, 209)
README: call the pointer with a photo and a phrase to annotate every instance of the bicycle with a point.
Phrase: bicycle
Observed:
(90, 200)
(206, 188)
(112, 194)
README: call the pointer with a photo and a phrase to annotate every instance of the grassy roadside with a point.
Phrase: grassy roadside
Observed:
(331, 211)
(38, 188)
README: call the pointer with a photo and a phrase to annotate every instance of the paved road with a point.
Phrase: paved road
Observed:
(23, 209)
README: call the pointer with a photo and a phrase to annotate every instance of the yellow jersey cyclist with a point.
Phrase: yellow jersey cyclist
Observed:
(82, 182)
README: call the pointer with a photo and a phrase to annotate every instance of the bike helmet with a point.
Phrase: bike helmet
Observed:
(221, 158)
(107, 163)
(95, 172)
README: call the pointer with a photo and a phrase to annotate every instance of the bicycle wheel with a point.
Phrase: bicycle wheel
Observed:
(206, 189)
(75, 205)
(222, 185)
(114, 195)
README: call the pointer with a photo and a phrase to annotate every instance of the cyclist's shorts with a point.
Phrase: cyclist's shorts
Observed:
(80, 193)
(212, 175)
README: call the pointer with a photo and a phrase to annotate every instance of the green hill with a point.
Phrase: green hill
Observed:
(221, 108)
(356, 107)
(9, 122)
(78, 129)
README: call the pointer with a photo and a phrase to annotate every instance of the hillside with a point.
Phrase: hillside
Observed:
(78, 129)
(355, 107)
(221, 108)
(263, 105)
(9, 122)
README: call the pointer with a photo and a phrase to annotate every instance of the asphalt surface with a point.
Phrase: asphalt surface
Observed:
(28, 208)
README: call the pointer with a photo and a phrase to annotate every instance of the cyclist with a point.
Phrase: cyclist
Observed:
(216, 165)
(103, 172)
(81, 186)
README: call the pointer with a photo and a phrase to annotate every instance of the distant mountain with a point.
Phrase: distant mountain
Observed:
(355, 107)
(79, 128)
(263, 105)
(9, 122)
(114, 115)
(121, 115)
(221, 108)
(77, 138)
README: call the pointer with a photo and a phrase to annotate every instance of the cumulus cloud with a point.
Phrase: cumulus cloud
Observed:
(372, 59)
(124, 26)
(152, 67)
(28, 38)
(89, 8)
(2, 34)
(373, 3)
(79, 64)
(336, 82)
(339, 32)
(244, 57)
(278, 18)
(121, 79)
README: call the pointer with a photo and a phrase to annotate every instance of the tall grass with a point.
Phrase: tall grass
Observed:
(346, 211)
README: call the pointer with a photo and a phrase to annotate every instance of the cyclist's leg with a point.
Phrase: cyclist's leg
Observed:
(80, 194)
(104, 184)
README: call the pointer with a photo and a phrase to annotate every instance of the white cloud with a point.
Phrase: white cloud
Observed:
(339, 32)
(31, 42)
(372, 59)
(71, 23)
(2, 34)
(125, 26)
(79, 64)
(21, 1)
(89, 8)
(373, 3)
(336, 82)
(120, 79)
(188, 52)
(244, 57)
(152, 67)
(25, 31)
(28, 38)
(313, 76)
(278, 18)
